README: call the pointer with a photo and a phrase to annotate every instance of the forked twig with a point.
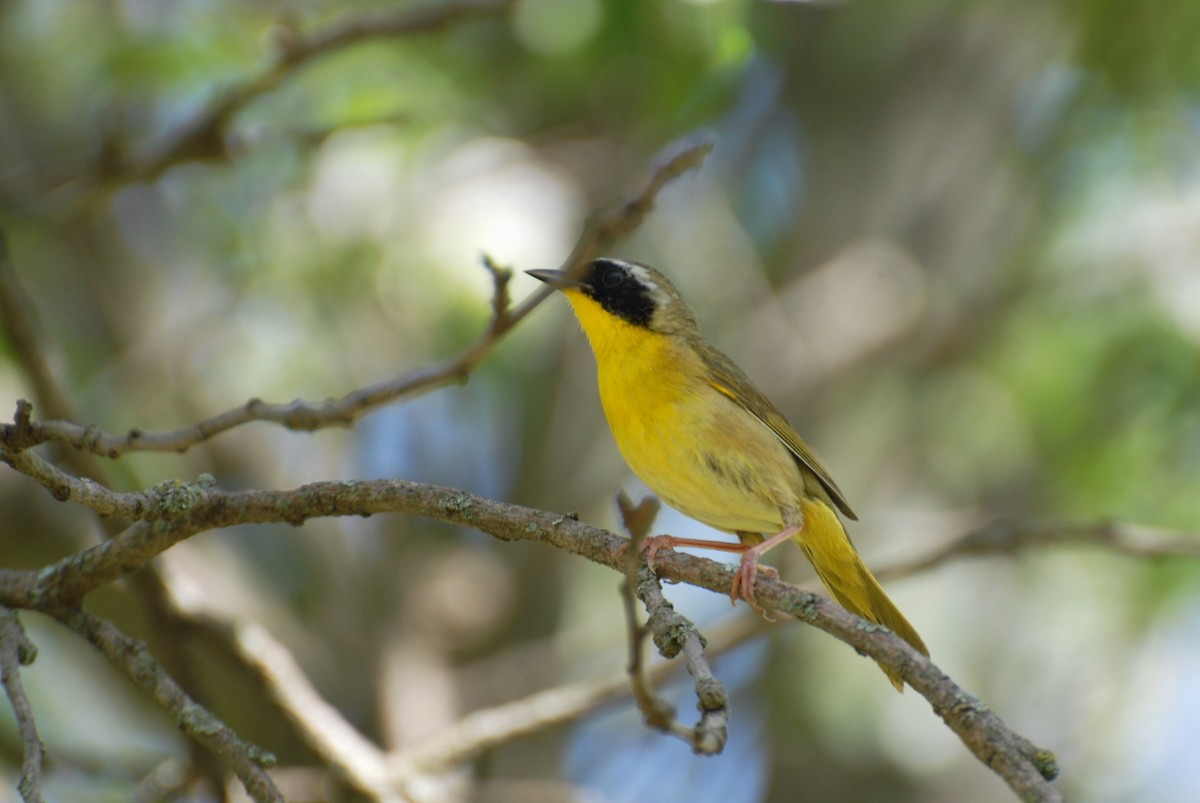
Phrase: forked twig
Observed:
(17, 651)
(673, 634)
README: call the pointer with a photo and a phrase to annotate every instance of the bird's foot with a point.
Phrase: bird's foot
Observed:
(746, 576)
(651, 545)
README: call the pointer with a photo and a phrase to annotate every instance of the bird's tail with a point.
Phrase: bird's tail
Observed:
(825, 542)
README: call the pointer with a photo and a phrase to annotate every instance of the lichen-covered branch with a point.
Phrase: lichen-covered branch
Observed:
(673, 634)
(1023, 765)
(36, 351)
(130, 656)
(656, 712)
(17, 651)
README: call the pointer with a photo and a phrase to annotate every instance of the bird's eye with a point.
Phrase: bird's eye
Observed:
(613, 277)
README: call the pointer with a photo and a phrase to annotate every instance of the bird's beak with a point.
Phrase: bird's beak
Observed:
(555, 278)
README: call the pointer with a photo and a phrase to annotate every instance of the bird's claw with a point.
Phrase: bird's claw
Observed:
(744, 580)
(650, 547)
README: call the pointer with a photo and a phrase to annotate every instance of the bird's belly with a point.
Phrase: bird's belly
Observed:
(719, 502)
(703, 456)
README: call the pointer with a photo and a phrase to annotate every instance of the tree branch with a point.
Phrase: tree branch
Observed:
(656, 712)
(17, 321)
(247, 761)
(354, 758)
(205, 136)
(600, 233)
(486, 728)
(1023, 765)
(36, 352)
(1005, 537)
(364, 766)
(673, 633)
(17, 651)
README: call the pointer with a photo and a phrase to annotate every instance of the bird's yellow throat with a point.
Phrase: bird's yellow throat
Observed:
(608, 335)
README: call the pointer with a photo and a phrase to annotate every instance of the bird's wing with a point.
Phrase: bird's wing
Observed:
(730, 381)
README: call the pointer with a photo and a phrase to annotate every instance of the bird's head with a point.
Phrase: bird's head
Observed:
(630, 292)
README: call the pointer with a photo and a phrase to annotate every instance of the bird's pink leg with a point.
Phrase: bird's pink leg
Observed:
(747, 571)
(654, 543)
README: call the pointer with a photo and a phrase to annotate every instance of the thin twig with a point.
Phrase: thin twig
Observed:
(1006, 537)
(673, 634)
(17, 651)
(354, 758)
(21, 331)
(489, 727)
(132, 658)
(501, 299)
(603, 230)
(657, 712)
(607, 226)
(206, 136)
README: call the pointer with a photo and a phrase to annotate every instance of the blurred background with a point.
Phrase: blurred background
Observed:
(958, 245)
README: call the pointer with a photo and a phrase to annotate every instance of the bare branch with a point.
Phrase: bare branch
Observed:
(501, 300)
(657, 712)
(489, 727)
(36, 353)
(673, 633)
(247, 761)
(603, 230)
(205, 137)
(1024, 766)
(610, 225)
(365, 767)
(353, 757)
(19, 327)
(1003, 537)
(17, 651)
(67, 488)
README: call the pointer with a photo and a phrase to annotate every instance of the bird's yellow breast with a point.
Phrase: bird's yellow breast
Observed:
(698, 450)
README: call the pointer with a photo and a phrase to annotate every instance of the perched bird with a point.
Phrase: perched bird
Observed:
(705, 440)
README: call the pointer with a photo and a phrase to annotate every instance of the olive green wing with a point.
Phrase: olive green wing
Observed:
(730, 381)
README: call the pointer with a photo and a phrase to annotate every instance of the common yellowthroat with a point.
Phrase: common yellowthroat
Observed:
(704, 439)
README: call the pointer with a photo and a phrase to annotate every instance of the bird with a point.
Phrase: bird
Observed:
(705, 440)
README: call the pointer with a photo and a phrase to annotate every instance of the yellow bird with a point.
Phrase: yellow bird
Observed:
(705, 440)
